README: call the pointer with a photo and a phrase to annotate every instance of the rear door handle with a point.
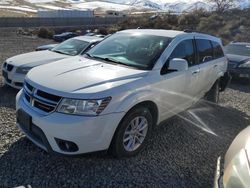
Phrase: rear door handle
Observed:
(215, 66)
(195, 72)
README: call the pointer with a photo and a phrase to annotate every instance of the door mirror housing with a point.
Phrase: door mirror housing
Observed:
(178, 64)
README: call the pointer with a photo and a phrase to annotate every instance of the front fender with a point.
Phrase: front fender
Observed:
(135, 98)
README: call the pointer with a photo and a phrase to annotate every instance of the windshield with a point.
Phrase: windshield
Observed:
(238, 49)
(71, 47)
(136, 50)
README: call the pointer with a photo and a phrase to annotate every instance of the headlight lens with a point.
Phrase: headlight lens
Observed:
(23, 70)
(83, 107)
(245, 65)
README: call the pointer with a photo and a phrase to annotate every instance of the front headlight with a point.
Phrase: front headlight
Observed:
(83, 107)
(245, 65)
(23, 70)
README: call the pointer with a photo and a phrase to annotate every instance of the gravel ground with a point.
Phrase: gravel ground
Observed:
(182, 152)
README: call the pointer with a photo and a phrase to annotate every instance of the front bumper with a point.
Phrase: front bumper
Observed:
(88, 133)
(13, 79)
(218, 179)
(240, 73)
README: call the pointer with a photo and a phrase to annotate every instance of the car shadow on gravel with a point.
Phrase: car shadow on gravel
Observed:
(7, 97)
(242, 86)
(182, 153)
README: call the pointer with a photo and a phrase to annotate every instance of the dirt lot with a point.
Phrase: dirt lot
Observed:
(181, 153)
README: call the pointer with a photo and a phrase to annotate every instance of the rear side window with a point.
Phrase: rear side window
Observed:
(218, 52)
(185, 50)
(205, 50)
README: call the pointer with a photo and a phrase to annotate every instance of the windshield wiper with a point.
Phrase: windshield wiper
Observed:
(121, 63)
(60, 52)
(88, 54)
(113, 60)
(108, 59)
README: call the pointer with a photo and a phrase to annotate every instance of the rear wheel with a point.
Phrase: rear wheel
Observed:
(133, 133)
(213, 95)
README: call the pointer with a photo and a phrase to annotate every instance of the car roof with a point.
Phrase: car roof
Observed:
(156, 32)
(89, 38)
(170, 33)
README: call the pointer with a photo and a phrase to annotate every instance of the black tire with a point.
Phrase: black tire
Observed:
(213, 95)
(117, 148)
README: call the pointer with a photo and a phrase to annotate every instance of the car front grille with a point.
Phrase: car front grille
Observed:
(18, 84)
(39, 99)
(9, 67)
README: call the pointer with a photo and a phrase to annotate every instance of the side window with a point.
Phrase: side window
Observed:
(185, 50)
(218, 52)
(205, 50)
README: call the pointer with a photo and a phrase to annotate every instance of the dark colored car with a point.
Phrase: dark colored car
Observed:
(46, 47)
(238, 54)
(64, 36)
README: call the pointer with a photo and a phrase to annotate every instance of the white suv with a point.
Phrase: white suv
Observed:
(113, 96)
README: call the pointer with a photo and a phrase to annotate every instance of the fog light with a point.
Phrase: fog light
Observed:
(67, 146)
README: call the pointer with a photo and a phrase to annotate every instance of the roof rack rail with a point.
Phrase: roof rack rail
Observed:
(193, 31)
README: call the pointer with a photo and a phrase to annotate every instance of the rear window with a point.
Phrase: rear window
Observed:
(218, 52)
(205, 50)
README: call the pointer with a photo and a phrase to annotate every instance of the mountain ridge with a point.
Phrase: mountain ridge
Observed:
(118, 5)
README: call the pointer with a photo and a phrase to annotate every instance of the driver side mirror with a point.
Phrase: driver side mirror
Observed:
(178, 64)
(175, 64)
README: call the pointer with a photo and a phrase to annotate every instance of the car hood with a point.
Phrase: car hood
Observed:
(79, 75)
(237, 58)
(33, 59)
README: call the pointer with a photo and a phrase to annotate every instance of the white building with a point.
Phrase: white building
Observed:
(65, 13)
(112, 13)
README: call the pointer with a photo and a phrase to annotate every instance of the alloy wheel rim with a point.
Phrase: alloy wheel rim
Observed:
(135, 133)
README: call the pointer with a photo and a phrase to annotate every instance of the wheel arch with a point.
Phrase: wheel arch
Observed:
(152, 108)
(150, 105)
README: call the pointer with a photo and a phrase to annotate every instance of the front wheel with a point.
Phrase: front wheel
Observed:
(213, 95)
(132, 133)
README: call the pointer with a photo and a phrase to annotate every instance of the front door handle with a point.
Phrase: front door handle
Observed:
(215, 66)
(195, 72)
